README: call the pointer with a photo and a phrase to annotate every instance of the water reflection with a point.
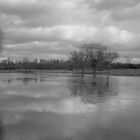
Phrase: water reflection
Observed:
(25, 80)
(91, 92)
(61, 107)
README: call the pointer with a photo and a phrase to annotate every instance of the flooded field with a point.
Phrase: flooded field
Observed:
(59, 106)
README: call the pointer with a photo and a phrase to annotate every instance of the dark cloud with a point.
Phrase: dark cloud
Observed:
(22, 8)
(127, 14)
(112, 4)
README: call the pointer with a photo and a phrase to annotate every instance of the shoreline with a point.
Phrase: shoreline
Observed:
(113, 72)
(116, 72)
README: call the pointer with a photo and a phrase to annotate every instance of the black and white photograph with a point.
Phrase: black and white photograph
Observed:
(69, 69)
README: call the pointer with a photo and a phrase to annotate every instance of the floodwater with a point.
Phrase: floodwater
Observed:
(59, 106)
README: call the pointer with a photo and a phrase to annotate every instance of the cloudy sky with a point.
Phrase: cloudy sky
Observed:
(53, 28)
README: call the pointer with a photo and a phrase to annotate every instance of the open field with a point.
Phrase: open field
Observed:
(126, 72)
(119, 72)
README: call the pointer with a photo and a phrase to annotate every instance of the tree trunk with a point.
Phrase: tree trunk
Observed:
(108, 74)
(94, 71)
(107, 80)
(82, 73)
(108, 69)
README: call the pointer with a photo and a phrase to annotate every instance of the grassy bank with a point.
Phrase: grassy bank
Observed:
(114, 72)
(35, 71)
(126, 72)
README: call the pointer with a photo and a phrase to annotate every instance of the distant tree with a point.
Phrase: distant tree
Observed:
(78, 59)
(128, 59)
(108, 58)
(95, 54)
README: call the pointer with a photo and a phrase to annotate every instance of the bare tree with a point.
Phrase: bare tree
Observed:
(95, 53)
(79, 58)
(128, 59)
(108, 58)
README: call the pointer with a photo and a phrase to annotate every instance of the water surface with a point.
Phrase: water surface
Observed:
(58, 106)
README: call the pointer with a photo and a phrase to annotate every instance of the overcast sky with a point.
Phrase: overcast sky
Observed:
(53, 28)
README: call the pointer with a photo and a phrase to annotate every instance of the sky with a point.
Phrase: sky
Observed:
(54, 28)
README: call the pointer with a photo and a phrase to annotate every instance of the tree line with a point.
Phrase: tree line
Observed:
(41, 64)
(93, 57)
(58, 64)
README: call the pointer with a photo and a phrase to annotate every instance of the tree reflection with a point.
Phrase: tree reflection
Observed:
(92, 92)
(25, 80)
